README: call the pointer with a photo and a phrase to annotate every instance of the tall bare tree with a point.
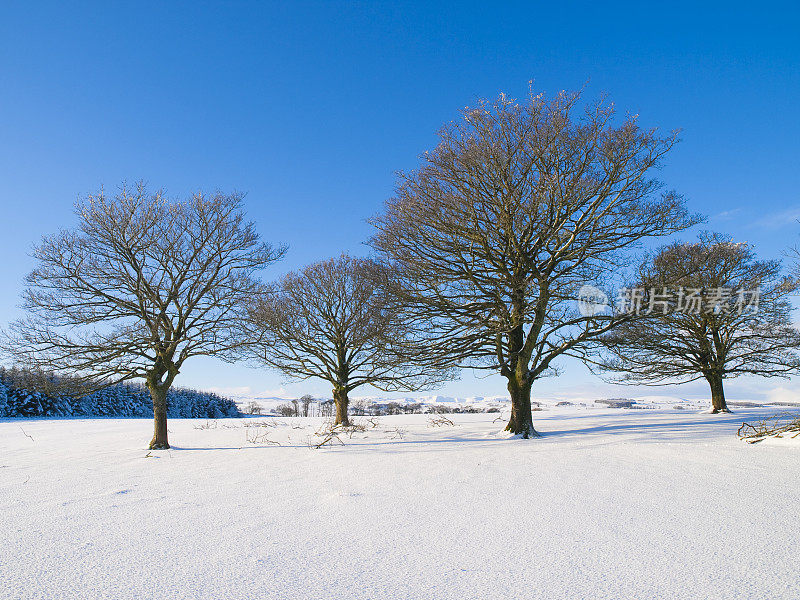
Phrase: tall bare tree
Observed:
(306, 401)
(517, 207)
(336, 320)
(142, 284)
(712, 311)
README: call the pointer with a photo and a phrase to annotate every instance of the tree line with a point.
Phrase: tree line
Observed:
(307, 406)
(25, 393)
(478, 262)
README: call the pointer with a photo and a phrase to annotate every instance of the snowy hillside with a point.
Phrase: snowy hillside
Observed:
(610, 503)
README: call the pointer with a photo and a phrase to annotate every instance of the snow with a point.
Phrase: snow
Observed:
(610, 503)
(783, 439)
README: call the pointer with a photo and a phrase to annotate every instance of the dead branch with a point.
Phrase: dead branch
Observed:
(250, 424)
(778, 426)
(256, 438)
(396, 433)
(329, 438)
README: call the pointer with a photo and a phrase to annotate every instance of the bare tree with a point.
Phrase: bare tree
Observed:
(335, 320)
(715, 312)
(306, 401)
(253, 408)
(517, 207)
(285, 410)
(142, 284)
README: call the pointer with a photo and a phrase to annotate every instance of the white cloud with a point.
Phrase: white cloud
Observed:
(232, 392)
(777, 220)
(727, 214)
(782, 394)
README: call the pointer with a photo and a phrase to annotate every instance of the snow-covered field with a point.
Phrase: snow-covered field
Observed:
(610, 503)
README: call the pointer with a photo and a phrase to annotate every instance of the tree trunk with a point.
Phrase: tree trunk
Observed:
(718, 403)
(521, 421)
(341, 400)
(159, 395)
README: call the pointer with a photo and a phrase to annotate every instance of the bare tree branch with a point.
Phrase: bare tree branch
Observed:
(519, 205)
(142, 284)
(716, 342)
(337, 320)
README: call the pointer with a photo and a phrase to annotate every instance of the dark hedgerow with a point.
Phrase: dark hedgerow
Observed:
(22, 394)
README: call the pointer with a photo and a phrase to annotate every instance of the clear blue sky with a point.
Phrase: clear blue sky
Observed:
(311, 107)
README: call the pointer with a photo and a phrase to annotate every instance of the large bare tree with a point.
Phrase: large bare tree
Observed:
(337, 320)
(518, 206)
(711, 310)
(141, 285)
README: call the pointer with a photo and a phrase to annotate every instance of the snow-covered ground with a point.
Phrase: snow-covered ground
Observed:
(610, 503)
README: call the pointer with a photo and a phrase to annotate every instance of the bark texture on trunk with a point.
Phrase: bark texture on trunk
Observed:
(718, 403)
(342, 401)
(521, 421)
(159, 395)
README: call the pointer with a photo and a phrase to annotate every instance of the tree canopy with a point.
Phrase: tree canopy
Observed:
(519, 205)
(142, 284)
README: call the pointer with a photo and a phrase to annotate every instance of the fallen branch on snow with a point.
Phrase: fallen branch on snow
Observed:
(256, 437)
(784, 425)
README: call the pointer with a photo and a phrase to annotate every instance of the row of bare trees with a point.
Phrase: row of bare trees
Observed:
(479, 259)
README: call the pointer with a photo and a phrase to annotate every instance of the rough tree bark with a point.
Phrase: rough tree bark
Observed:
(521, 421)
(516, 370)
(342, 401)
(718, 403)
(159, 441)
(158, 383)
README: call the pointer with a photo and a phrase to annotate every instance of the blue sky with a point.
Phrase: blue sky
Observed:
(310, 108)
